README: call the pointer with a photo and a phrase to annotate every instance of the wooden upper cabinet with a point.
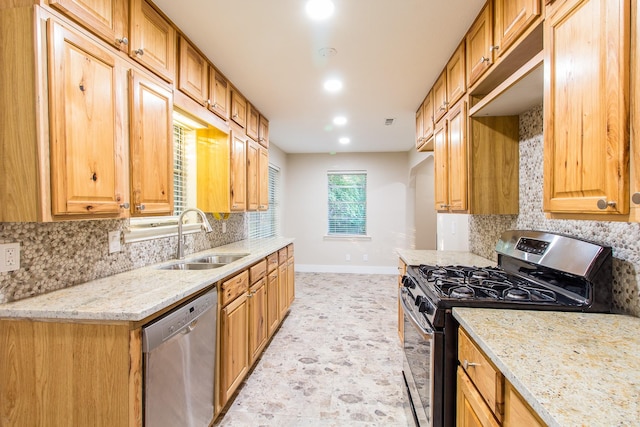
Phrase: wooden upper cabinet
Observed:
(439, 90)
(441, 166)
(219, 93)
(193, 73)
(109, 19)
(151, 147)
(424, 124)
(238, 183)
(253, 122)
(419, 126)
(213, 170)
(586, 110)
(456, 75)
(153, 40)
(479, 42)
(512, 18)
(457, 163)
(263, 179)
(253, 186)
(263, 131)
(238, 108)
(635, 117)
(85, 112)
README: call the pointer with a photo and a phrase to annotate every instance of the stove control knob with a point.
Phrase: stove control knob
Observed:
(424, 306)
(408, 282)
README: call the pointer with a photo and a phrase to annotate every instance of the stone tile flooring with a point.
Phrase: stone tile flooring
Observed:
(335, 361)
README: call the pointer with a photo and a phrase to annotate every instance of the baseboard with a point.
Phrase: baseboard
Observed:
(356, 269)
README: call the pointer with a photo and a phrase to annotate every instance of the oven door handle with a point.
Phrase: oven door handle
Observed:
(427, 333)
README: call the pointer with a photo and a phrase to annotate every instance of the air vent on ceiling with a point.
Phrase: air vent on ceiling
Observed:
(388, 122)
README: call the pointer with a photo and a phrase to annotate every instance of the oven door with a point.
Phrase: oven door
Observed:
(420, 348)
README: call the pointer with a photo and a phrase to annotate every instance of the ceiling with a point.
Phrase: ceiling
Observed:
(389, 53)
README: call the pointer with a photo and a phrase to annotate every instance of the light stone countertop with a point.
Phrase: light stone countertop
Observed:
(574, 369)
(137, 294)
(431, 257)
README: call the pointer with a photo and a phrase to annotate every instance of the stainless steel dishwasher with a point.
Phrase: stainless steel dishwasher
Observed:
(179, 363)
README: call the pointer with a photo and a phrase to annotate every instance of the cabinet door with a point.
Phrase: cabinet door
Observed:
(253, 186)
(291, 287)
(635, 117)
(85, 112)
(440, 96)
(456, 76)
(283, 300)
(234, 353)
(419, 126)
(273, 314)
(153, 40)
(238, 182)
(586, 137)
(218, 93)
(151, 147)
(238, 108)
(263, 179)
(263, 131)
(402, 270)
(440, 165)
(258, 328)
(516, 411)
(479, 45)
(427, 117)
(193, 73)
(512, 18)
(471, 410)
(253, 122)
(457, 164)
(109, 19)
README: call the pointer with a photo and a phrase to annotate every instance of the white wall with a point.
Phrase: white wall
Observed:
(425, 211)
(305, 212)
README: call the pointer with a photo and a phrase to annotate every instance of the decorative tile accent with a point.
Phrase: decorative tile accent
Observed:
(623, 237)
(61, 254)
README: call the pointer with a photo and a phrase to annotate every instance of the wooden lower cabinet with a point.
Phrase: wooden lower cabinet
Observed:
(273, 318)
(471, 410)
(291, 288)
(63, 374)
(234, 353)
(516, 411)
(402, 270)
(258, 327)
(283, 300)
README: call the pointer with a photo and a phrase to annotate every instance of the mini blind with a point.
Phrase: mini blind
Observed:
(267, 223)
(179, 169)
(347, 203)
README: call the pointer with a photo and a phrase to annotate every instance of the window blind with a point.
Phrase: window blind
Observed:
(179, 169)
(264, 224)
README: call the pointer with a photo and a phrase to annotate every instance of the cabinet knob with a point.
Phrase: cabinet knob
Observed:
(140, 207)
(139, 52)
(603, 204)
(445, 206)
(125, 205)
(466, 364)
(235, 116)
(484, 59)
(123, 40)
(636, 198)
(494, 47)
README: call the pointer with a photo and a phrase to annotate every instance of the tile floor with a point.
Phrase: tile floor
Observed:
(335, 361)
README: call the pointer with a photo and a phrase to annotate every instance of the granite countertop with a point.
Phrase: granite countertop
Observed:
(431, 257)
(137, 294)
(574, 369)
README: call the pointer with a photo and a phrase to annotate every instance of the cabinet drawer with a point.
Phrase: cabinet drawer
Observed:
(234, 287)
(282, 256)
(272, 262)
(486, 377)
(290, 250)
(257, 271)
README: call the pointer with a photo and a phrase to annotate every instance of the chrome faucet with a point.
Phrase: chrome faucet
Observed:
(205, 223)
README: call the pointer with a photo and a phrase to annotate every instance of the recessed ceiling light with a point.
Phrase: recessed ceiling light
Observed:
(319, 9)
(333, 85)
(340, 120)
(344, 140)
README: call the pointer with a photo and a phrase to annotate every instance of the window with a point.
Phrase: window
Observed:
(347, 204)
(267, 223)
(179, 168)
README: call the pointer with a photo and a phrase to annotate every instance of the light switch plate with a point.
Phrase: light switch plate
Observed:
(114, 241)
(9, 256)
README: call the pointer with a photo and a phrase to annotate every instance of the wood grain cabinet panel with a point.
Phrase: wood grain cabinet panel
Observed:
(234, 351)
(586, 107)
(151, 147)
(253, 184)
(238, 184)
(263, 131)
(258, 327)
(219, 93)
(516, 411)
(635, 116)
(512, 18)
(253, 122)
(273, 314)
(456, 75)
(441, 166)
(471, 409)
(153, 40)
(109, 19)
(457, 162)
(440, 101)
(193, 73)
(238, 108)
(84, 106)
(283, 300)
(479, 41)
(263, 179)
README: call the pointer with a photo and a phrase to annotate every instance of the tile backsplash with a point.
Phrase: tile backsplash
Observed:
(61, 254)
(623, 237)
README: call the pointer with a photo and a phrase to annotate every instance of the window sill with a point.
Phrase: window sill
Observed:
(347, 237)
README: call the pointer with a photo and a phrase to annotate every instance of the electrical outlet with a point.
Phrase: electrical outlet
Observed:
(365, 257)
(348, 257)
(224, 226)
(114, 241)
(9, 256)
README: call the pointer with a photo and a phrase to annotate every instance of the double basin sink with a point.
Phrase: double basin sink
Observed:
(204, 263)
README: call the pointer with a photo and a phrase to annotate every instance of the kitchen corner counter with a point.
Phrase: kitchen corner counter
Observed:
(573, 369)
(432, 257)
(137, 294)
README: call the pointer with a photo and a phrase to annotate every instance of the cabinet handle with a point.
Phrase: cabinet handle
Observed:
(125, 205)
(466, 364)
(484, 59)
(603, 204)
(140, 207)
(445, 206)
(123, 40)
(235, 116)
(636, 198)
(494, 47)
(139, 51)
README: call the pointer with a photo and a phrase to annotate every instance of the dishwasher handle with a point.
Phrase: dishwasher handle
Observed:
(181, 320)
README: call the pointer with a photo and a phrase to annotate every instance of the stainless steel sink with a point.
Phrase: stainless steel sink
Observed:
(221, 259)
(192, 266)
